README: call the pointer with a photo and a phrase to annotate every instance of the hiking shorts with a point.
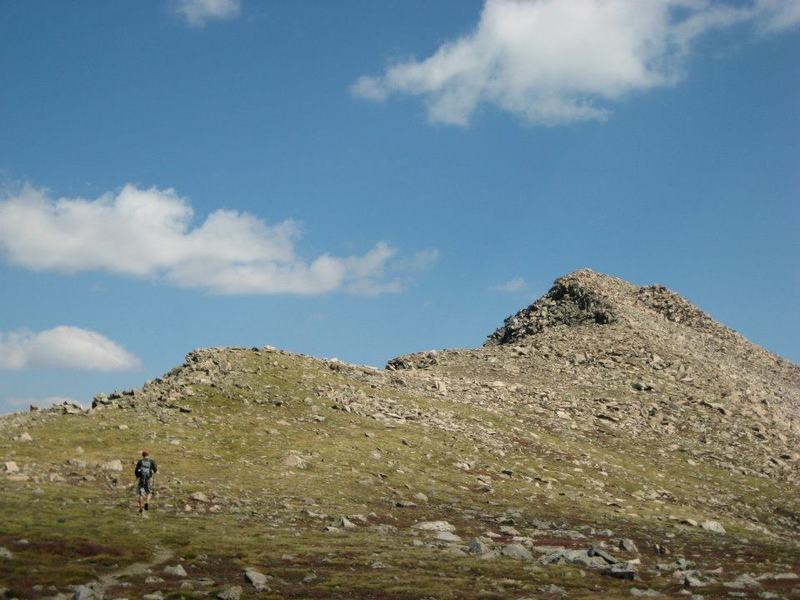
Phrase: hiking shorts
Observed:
(143, 488)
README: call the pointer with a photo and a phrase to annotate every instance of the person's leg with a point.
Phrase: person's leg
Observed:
(140, 497)
(147, 501)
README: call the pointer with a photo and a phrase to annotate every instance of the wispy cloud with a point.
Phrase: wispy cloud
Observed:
(148, 233)
(517, 284)
(419, 261)
(199, 12)
(559, 61)
(63, 347)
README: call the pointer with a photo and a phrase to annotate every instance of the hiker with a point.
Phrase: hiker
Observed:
(145, 469)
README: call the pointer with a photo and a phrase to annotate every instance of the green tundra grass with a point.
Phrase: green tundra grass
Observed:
(67, 520)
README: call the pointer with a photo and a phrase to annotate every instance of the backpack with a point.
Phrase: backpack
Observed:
(144, 469)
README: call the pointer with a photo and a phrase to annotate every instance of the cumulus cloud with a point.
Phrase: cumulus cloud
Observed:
(777, 15)
(148, 233)
(419, 261)
(559, 61)
(199, 12)
(517, 284)
(63, 347)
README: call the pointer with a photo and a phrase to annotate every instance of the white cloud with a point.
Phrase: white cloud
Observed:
(777, 15)
(558, 61)
(419, 261)
(517, 284)
(148, 233)
(198, 12)
(63, 347)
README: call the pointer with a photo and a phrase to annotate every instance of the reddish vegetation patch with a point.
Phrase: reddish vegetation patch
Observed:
(67, 548)
(548, 540)
(92, 549)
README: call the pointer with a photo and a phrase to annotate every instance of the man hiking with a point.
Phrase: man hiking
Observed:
(145, 469)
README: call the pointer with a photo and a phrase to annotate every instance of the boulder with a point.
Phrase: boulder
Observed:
(434, 526)
(478, 547)
(176, 571)
(713, 526)
(256, 579)
(621, 571)
(344, 523)
(293, 461)
(232, 592)
(516, 551)
(743, 582)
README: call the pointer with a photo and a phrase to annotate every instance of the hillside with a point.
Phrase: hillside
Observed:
(609, 440)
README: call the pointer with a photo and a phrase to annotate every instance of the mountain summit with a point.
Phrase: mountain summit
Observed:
(586, 297)
(608, 440)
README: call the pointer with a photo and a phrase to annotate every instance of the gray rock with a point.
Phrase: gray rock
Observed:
(154, 596)
(256, 579)
(627, 545)
(553, 590)
(691, 579)
(478, 547)
(176, 571)
(516, 551)
(344, 523)
(743, 581)
(605, 533)
(621, 571)
(713, 526)
(434, 526)
(574, 557)
(293, 461)
(646, 593)
(778, 576)
(84, 592)
(595, 551)
(10, 467)
(232, 592)
(6, 553)
(508, 530)
(112, 465)
(447, 536)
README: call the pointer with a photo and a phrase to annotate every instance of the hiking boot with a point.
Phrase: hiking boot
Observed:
(146, 506)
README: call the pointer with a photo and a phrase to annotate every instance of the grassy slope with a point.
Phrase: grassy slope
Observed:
(270, 515)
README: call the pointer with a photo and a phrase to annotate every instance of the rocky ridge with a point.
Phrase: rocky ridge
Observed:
(608, 428)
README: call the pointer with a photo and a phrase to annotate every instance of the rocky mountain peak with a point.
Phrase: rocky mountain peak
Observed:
(578, 298)
(585, 297)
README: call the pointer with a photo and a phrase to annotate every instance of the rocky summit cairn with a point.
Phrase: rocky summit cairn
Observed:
(585, 297)
(582, 297)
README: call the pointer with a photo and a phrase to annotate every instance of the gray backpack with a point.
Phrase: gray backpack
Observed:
(145, 469)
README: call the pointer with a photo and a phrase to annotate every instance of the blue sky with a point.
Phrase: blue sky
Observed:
(362, 179)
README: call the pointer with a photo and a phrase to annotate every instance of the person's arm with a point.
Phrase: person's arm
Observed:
(155, 467)
(136, 469)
